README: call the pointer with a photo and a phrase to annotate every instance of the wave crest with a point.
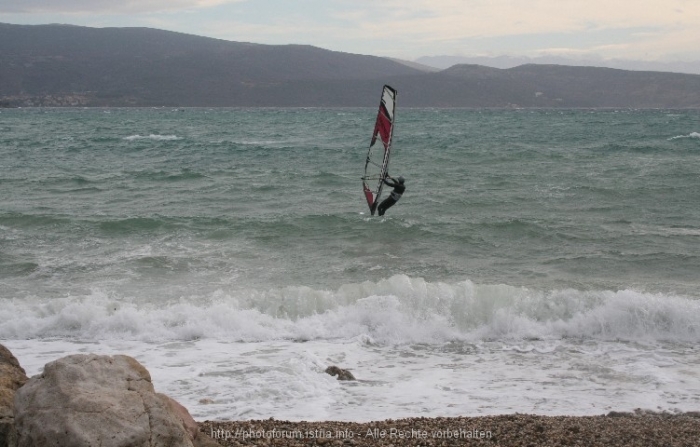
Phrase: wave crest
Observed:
(155, 137)
(397, 310)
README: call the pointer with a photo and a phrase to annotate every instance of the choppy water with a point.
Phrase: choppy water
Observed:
(540, 261)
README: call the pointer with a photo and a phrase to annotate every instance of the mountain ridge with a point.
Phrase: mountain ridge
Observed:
(443, 62)
(66, 65)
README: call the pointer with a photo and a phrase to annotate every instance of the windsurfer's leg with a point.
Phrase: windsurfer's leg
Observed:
(385, 205)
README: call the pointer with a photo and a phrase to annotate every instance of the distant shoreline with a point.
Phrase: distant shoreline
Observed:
(184, 108)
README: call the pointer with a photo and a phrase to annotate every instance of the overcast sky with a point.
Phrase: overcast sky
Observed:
(407, 29)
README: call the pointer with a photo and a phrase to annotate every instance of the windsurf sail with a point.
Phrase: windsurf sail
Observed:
(377, 162)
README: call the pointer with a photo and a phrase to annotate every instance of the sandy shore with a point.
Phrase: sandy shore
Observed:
(638, 429)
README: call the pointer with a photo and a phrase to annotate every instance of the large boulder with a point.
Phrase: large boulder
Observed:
(89, 400)
(12, 376)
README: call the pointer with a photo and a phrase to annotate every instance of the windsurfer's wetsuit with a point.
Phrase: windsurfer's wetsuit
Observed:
(395, 195)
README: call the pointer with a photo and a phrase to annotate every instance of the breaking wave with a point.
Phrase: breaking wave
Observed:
(397, 310)
(691, 135)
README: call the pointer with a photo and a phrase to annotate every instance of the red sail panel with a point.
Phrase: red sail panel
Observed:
(383, 127)
(369, 195)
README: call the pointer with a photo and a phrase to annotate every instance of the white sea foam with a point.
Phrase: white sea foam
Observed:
(155, 137)
(691, 135)
(395, 311)
(284, 379)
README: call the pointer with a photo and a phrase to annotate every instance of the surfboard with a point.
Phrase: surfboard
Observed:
(377, 162)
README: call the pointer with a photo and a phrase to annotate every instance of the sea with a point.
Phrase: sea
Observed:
(540, 261)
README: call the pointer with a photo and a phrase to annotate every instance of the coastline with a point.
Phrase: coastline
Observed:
(639, 429)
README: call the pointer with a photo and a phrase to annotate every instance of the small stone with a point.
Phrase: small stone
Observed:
(342, 374)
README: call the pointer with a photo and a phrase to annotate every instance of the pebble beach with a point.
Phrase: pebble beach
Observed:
(639, 429)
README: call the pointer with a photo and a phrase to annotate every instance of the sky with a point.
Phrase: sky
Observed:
(655, 30)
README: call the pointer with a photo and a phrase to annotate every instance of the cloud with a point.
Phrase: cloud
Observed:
(489, 18)
(405, 28)
(576, 26)
(104, 6)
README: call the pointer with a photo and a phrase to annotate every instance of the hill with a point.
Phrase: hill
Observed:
(443, 62)
(63, 65)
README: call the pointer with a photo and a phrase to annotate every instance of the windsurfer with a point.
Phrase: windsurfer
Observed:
(399, 188)
(377, 161)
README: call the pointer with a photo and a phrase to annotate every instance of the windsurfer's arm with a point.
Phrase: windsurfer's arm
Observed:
(391, 182)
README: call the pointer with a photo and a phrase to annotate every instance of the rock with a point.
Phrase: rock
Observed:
(204, 440)
(183, 416)
(343, 374)
(12, 376)
(90, 400)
